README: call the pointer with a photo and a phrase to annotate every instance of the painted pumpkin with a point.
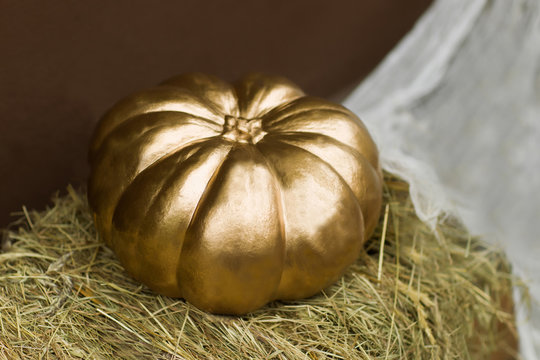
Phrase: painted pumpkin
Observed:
(232, 196)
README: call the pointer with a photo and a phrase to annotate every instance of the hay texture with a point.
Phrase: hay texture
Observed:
(412, 295)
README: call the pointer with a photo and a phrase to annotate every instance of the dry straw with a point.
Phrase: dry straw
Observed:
(412, 295)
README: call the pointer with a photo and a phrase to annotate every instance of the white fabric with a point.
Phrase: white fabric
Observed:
(455, 110)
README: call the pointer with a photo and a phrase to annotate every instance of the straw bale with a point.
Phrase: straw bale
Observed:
(413, 294)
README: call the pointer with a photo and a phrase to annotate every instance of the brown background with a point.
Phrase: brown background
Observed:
(63, 63)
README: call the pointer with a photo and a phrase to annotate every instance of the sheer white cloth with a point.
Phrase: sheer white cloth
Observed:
(455, 109)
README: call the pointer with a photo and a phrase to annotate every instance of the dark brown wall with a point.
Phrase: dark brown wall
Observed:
(62, 63)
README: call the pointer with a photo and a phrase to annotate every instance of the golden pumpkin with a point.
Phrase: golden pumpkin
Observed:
(233, 196)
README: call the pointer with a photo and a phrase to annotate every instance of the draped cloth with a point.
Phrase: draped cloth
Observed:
(455, 110)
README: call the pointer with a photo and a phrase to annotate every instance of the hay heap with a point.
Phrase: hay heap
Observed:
(64, 295)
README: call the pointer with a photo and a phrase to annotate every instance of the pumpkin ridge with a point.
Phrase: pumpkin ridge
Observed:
(140, 102)
(350, 195)
(154, 164)
(134, 117)
(269, 111)
(208, 187)
(281, 206)
(171, 177)
(209, 123)
(353, 133)
(221, 259)
(334, 142)
(173, 152)
(123, 191)
(211, 105)
(326, 164)
(277, 134)
(253, 90)
(121, 130)
(192, 82)
(143, 228)
(206, 191)
(293, 115)
(299, 112)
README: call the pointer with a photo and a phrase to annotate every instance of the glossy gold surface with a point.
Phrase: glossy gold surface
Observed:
(232, 196)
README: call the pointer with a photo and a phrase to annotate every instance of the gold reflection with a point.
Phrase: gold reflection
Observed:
(232, 196)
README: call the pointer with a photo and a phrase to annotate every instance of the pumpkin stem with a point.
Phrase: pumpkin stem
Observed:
(243, 130)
